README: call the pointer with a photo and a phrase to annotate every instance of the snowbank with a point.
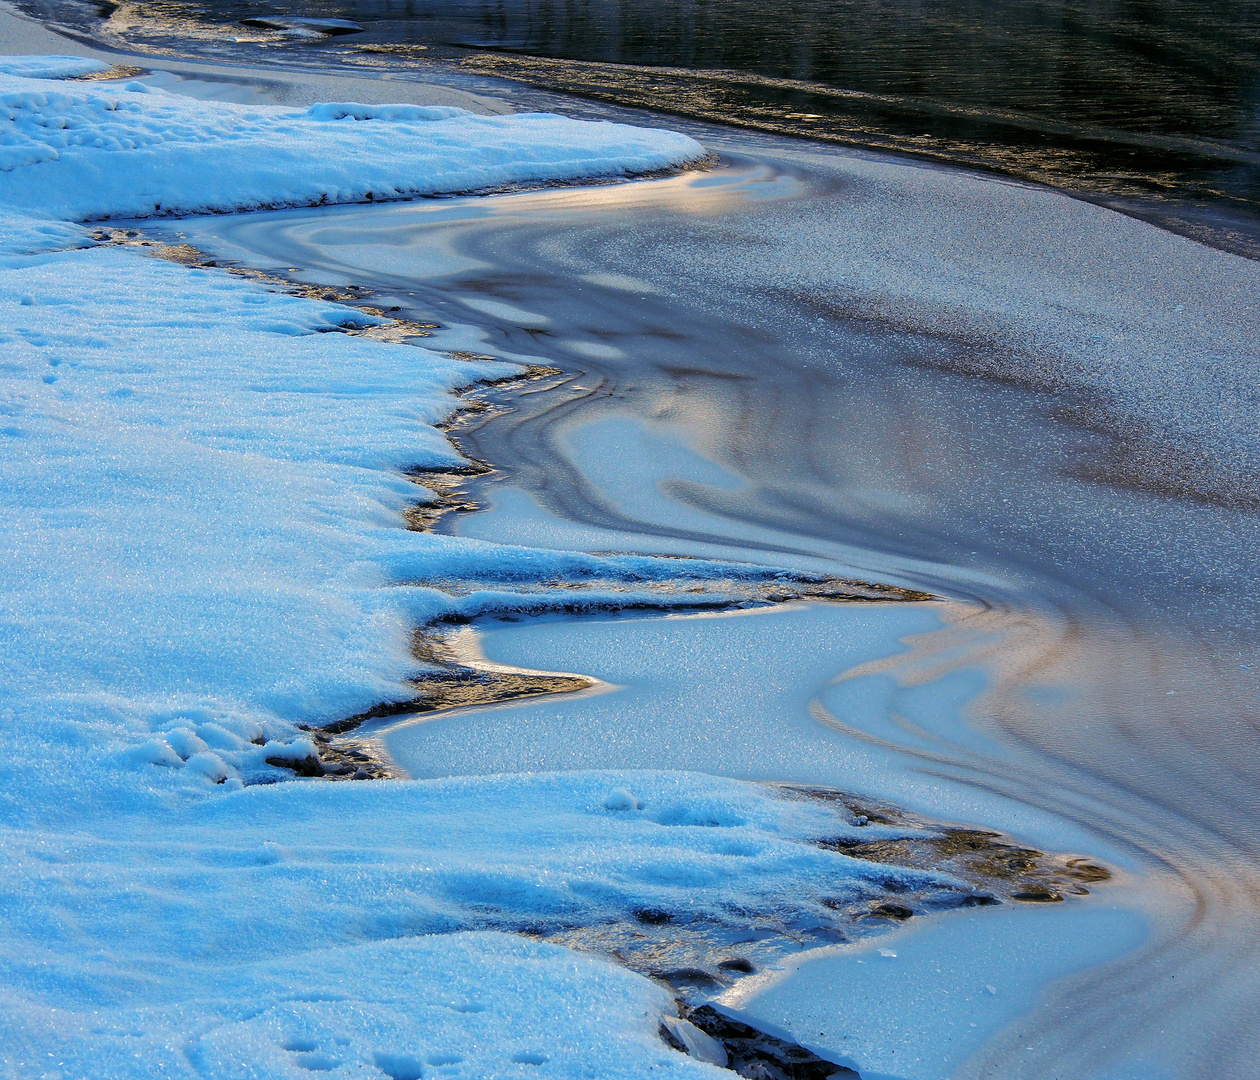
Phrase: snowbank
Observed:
(344, 928)
(50, 67)
(87, 151)
(202, 545)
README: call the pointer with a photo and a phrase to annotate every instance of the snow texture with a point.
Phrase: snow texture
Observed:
(228, 935)
(50, 67)
(84, 151)
(202, 545)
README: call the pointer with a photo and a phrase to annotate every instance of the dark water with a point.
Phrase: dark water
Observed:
(1151, 107)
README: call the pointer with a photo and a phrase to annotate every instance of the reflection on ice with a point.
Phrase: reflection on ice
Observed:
(918, 1006)
(796, 386)
(731, 694)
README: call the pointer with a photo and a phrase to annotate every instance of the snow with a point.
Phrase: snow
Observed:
(202, 546)
(458, 1005)
(227, 934)
(50, 67)
(88, 151)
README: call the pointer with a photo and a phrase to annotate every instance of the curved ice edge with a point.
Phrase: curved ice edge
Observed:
(974, 976)
(756, 587)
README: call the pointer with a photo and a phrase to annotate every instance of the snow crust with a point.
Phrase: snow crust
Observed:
(268, 930)
(202, 546)
(83, 151)
(50, 67)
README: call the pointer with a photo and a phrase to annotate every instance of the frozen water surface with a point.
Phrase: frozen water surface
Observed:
(933, 995)
(778, 361)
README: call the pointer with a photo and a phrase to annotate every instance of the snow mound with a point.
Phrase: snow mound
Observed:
(461, 1006)
(91, 151)
(347, 922)
(202, 495)
(50, 67)
(27, 234)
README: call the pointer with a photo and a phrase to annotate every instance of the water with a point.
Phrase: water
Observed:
(1153, 108)
(1093, 677)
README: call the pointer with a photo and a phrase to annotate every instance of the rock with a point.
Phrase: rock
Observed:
(307, 766)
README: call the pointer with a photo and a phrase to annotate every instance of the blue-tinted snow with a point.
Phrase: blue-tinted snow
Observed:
(202, 546)
(88, 151)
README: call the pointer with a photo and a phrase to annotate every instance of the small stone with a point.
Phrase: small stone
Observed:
(307, 766)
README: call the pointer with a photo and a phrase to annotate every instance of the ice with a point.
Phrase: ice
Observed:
(949, 987)
(698, 1044)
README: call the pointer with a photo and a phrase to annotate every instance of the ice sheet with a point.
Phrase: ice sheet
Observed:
(918, 1005)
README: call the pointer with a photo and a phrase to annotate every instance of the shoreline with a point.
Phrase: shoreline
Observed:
(563, 505)
(1181, 218)
(334, 750)
(271, 84)
(479, 583)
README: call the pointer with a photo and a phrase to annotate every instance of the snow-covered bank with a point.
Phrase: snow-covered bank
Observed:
(275, 930)
(272, 84)
(87, 151)
(203, 544)
(203, 487)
